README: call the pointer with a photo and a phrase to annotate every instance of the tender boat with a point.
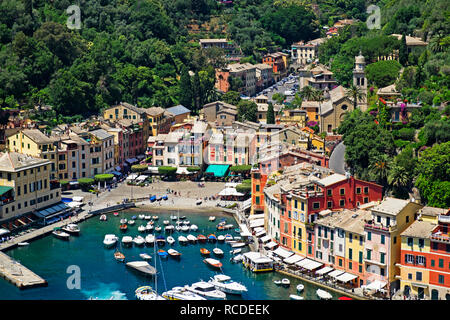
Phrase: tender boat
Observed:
(218, 252)
(178, 227)
(160, 240)
(116, 214)
(145, 256)
(23, 244)
(324, 295)
(162, 253)
(131, 222)
(182, 240)
(123, 220)
(170, 240)
(71, 228)
(110, 240)
(127, 240)
(237, 258)
(166, 222)
(212, 237)
(285, 282)
(123, 227)
(147, 293)
(133, 218)
(212, 218)
(169, 228)
(57, 232)
(300, 287)
(207, 290)
(150, 239)
(204, 251)
(141, 228)
(185, 228)
(213, 262)
(295, 297)
(174, 253)
(139, 241)
(224, 283)
(201, 238)
(235, 251)
(103, 217)
(158, 229)
(238, 245)
(221, 238)
(180, 293)
(193, 227)
(228, 237)
(182, 217)
(191, 238)
(119, 256)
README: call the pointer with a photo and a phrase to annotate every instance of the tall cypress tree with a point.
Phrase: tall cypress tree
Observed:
(186, 94)
(270, 114)
(403, 51)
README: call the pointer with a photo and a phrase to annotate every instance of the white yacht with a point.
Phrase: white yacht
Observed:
(71, 228)
(178, 227)
(212, 218)
(186, 222)
(127, 240)
(185, 228)
(57, 232)
(174, 217)
(142, 216)
(131, 222)
(147, 293)
(122, 221)
(220, 238)
(224, 283)
(169, 228)
(182, 240)
(139, 241)
(207, 290)
(218, 251)
(191, 238)
(150, 239)
(149, 227)
(193, 227)
(110, 240)
(166, 222)
(180, 293)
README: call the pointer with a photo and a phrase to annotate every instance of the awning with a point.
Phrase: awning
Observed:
(324, 270)
(218, 170)
(256, 216)
(260, 233)
(245, 232)
(52, 211)
(3, 231)
(346, 277)
(335, 273)
(420, 285)
(270, 245)
(116, 173)
(293, 259)
(303, 262)
(142, 177)
(283, 253)
(313, 265)
(257, 223)
(230, 192)
(376, 285)
(182, 170)
(325, 212)
(4, 189)
(131, 160)
(153, 169)
(266, 239)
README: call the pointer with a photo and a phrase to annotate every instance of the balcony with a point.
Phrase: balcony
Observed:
(444, 238)
(383, 264)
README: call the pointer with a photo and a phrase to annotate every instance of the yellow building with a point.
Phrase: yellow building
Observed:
(34, 143)
(25, 185)
(299, 235)
(293, 117)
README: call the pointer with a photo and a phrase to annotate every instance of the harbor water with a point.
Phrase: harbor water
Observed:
(102, 277)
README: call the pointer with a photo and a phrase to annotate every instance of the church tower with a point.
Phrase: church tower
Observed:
(359, 79)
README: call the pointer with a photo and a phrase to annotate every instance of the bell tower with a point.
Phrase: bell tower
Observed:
(359, 80)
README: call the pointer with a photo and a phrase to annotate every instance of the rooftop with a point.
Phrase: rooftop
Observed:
(330, 180)
(14, 161)
(101, 134)
(37, 136)
(419, 229)
(391, 206)
(177, 110)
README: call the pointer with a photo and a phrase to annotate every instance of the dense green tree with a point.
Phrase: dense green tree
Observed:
(270, 114)
(186, 94)
(383, 73)
(247, 110)
(231, 97)
(403, 51)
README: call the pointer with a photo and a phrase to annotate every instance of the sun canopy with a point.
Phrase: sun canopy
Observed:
(376, 285)
(245, 232)
(4, 189)
(3, 231)
(303, 262)
(293, 259)
(260, 233)
(257, 223)
(324, 270)
(218, 170)
(77, 199)
(346, 277)
(142, 177)
(270, 245)
(256, 216)
(230, 192)
(312, 265)
(336, 273)
(283, 253)
(132, 176)
(265, 239)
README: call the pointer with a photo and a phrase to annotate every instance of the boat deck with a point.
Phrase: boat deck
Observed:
(19, 275)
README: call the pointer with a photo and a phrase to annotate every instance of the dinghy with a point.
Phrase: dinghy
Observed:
(285, 282)
(103, 217)
(213, 262)
(170, 240)
(295, 297)
(193, 227)
(201, 238)
(300, 287)
(162, 253)
(204, 251)
(182, 240)
(131, 222)
(174, 253)
(191, 238)
(212, 218)
(324, 295)
(218, 252)
(145, 256)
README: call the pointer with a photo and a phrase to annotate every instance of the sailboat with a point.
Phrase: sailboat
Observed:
(147, 292)
(119, 256)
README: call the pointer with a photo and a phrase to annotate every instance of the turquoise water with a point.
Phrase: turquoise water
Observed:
(102, 277)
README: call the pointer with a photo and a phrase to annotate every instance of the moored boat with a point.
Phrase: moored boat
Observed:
(123, 227)
(212, 237)
(23, 244)
(155, 217)
(182, 240)
(174, 217)
(71, 228)
(119, 256)
(103, 217)
(235, 251)
(131, 222)
(193, 227)
(206, 290)
(123, 220)
(158, 229)
(213, 262)
(238, 245)
(169, 228)
(204, 251)
(127, 240)
(285, 282)
(220, 238)
(110, 240)
(141, 228)
(224, 283)
(166, 222)
(191, 238)
(139, 241)
(149, 227)
(180, 293)
(58, 233)
(142, 266)
(212, 218)
(295, 297)
(160, 240)
(170, 240)
(150, 239)
(300, 287)
(218, 252)
(174, 253)
(162, 253)
(237, 258)
(185, 228)
(324, 295)
(201, 238)
(147, 293)
(145, 256)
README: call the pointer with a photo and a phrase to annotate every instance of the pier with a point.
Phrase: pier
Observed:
(19, 275)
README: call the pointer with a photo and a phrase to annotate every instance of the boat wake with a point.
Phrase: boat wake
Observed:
(105, 291)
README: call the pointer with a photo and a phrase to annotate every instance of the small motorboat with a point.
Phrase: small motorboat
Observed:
(182, 240)
(228, 226)
(142, 216)
(285, 282)
(237, 258)
(133, 218)
(186, 222)
(139, 241)
(213, 262)
(207, 290)
(228, 237)
(119, 256)
(185, 228)
(212, 218)
(238, 245)
(169, 228)
(295, 297)
(174, 217)
(174, 253)
(127, 240)
(71, 228)
(160, 240)
(212, 237)
(182, 217)
(142, 266)
(116, 214)
(110, 240)
(123, 227)
(166, 222)
(324, 295)
(123, 220)
(204, 251)
(170, 240)
(103, 217)
(155, 217)
(150, 239)
(180, 293)
(224, 283)
(162, 253)
(193, 227)
(277, 282)
(191, 238)
(141, 228)
(178, 227)
(201, 238)
(218, 252)
(147, 217)
(158, 229)
(145, 256)
(221, 238)
(131, 222)
(235, 251)
(149, 227)
(23, 244)
(58, 233)
(300, 287)
(147, 293)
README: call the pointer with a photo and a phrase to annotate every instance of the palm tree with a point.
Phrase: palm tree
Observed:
(356, 94)
(379, 168)
(307, 93)
(398, 177)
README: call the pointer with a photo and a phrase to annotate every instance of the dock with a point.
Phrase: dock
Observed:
(19, 275)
